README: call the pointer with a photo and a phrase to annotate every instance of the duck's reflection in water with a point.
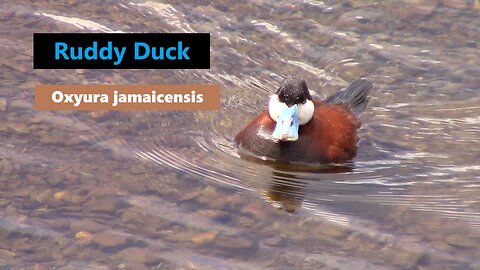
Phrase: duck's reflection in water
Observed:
(289, 183)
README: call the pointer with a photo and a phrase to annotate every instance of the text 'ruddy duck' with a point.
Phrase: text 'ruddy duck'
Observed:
(121, 51)
(142, 51)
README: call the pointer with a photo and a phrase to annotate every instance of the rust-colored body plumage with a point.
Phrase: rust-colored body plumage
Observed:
(330, 137)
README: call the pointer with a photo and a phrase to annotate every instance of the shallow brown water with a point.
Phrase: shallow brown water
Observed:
(167, 190)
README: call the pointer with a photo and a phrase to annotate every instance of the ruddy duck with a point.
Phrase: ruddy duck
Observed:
(298, 129)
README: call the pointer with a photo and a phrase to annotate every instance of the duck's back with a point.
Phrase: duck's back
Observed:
(331, 136)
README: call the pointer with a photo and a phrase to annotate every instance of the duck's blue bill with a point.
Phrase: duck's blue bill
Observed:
(286, 128)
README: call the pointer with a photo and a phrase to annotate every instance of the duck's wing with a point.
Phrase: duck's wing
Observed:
(355, 96)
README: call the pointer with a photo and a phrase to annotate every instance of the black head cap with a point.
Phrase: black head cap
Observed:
(293, 90)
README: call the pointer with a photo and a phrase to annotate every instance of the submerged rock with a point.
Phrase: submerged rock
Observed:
(86, 225)
(44, 196)
(457, 4)
(414, 9)
(3, 104)
(106, 205)
(362, 3)
(204, 238)
(110, 240)
(234, 243)
(137, 255)
(7, 253)
(461, 240)
(84, 236)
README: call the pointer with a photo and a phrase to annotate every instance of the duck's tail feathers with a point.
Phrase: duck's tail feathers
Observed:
(355, 96)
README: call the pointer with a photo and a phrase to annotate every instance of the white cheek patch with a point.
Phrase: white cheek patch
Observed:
(274, 107)
(305, 112)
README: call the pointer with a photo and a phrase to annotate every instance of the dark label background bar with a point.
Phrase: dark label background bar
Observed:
(44, 50)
